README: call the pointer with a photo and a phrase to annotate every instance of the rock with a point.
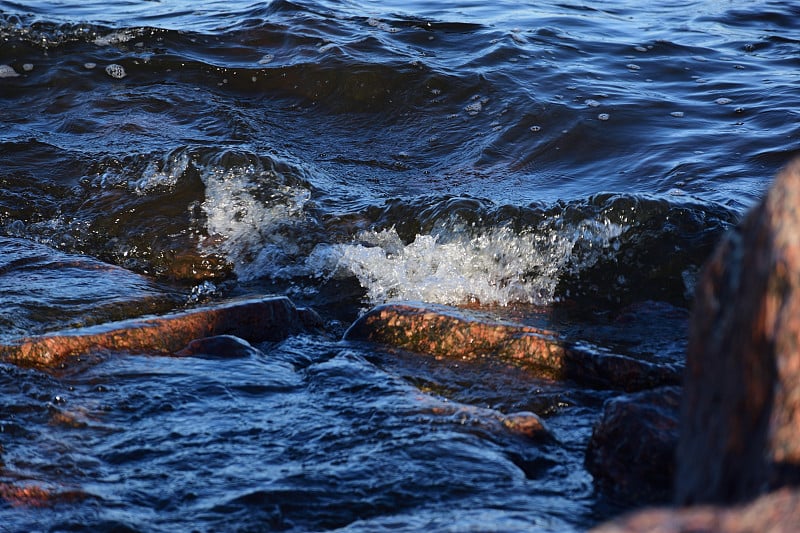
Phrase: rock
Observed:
(219, 347)
(35, 496)
(521, 424)
(740, 422)
(631, 453)
(776, 512)
(255, 320)
(448, 332)
(40, 285)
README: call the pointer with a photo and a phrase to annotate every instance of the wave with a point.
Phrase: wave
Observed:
(233, 212)
(612, 247)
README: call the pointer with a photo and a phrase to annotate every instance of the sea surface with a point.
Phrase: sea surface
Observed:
(568, 164)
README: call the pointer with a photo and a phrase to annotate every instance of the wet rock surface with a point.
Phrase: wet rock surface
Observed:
(740, 427)
(776, 512)
(40, 285)
(631, 453)
(254, 320)
(219, 347)
(738, 455)
(521, 424)
(449, 332)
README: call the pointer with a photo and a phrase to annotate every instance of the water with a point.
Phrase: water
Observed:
(567, 164)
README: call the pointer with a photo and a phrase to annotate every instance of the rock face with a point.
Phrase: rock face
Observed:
(740, 422)
(442, 331)
(254, 320)
(776, 512)
(631, 453)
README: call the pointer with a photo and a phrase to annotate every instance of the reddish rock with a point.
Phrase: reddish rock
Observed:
(631, 453)
(449, 332)
(777, 512)
(523, 424)
(740, 423)
(28, 495)
(255, 320)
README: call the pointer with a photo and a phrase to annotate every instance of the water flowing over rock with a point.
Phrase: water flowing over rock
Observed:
(254, 320)
(218, 347)
(740, 426)
(449, 332)
(631, 453)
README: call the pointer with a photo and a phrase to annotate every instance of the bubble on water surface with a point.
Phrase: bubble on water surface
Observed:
(27, 67)
(266, 58)
(723, 101)
(677, 114)
(89, 65)
(632, 66)
(116, 71)
(536, 129)
(603, 116)
(6, 71)
(476, 106)
(114, 38)
(591, 103)
(375, 23)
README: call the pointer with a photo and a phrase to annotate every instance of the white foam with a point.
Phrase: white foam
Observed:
(498, 266)
(248, 215)
(116, 71)
(7, 71)
(157, 177)
(115, 37)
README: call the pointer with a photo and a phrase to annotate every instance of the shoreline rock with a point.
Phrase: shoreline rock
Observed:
(738, 453)
(776, 512)
(253, 319)
(740, 429)
(631, 453)
(448, 332)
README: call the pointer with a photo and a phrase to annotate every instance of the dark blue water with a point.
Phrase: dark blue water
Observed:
(570, 164)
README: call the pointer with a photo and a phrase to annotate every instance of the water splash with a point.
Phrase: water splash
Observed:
(150, 174)
(253, 219)
(497, 266)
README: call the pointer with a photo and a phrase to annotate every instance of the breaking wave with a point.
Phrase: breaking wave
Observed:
(498, 266)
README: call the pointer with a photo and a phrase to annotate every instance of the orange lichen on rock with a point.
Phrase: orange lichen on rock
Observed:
(255, 320)
(443, 331)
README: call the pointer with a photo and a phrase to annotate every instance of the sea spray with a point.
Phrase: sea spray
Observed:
(252, 219)
(496, 266)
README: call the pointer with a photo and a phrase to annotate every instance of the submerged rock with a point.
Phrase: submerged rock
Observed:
(219, 347)
(740, 423)
(255, 320)
(449, 332)
(36, 496)
(521, 424)
(776, 512)
(631, 453)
